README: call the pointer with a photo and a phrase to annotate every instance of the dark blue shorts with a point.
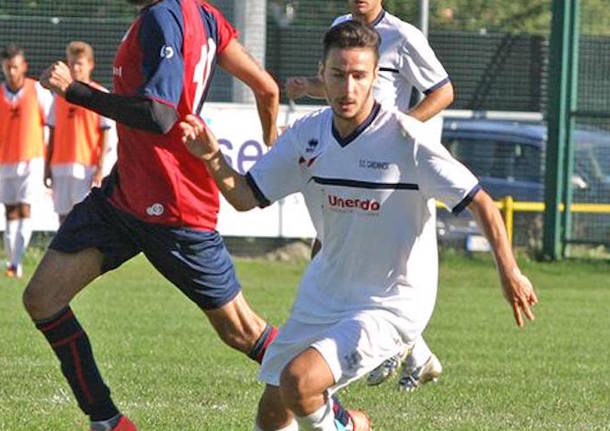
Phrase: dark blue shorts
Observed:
(196, 262)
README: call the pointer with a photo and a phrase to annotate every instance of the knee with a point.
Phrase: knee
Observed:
(41, 299)
(32, 299)
(294, 389)
(272, 413)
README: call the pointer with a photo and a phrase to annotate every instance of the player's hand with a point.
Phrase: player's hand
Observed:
(519, 293)
(198, 138)
(98, 175)
(296, 87)
(48, 178)
(57, 78)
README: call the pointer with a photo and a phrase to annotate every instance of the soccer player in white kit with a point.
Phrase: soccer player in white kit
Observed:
(371, 289)
(406, 60)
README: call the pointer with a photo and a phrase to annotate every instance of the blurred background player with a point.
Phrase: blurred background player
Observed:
(159, 199)
(78, 139)
(372, 287)
(24, 105)
(406, 60)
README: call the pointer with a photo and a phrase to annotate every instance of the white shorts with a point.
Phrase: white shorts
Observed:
(68, 191)
(23, 189)
(351, 347)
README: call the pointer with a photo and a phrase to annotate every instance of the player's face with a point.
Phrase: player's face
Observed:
(348, 75)
(80, 67)
(14, 70)
(364, 7)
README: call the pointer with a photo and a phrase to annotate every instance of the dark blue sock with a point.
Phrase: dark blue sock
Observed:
(259, 349)
(71, 345)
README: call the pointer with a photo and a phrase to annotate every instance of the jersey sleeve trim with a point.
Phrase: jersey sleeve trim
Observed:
(466, 201)
(258, 194)
(437, 86)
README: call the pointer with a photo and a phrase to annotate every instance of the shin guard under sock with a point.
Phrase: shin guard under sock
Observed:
(71, 345)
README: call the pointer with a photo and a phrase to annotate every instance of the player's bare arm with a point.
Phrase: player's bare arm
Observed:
(202, 143)
(301, 86)
(517, 289)
(236, 60)
(134, 111)
(98, 173)
(433, 103)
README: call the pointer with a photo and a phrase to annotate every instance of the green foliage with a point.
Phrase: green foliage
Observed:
(168, 370)
(522, 16)
(68, 8)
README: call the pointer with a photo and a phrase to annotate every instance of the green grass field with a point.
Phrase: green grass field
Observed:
(168, 370)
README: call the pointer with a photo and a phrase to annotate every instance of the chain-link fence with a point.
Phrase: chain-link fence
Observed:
(496, 52)
(591, 179)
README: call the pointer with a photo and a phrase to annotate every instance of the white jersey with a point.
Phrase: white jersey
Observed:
(376, 192)
(406, 60)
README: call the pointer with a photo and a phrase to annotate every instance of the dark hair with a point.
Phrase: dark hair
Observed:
(352, 34)
(11, 51)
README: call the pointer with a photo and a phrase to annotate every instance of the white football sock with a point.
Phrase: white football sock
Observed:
(322, 419)
(24, 233)
(10, 237)
(420, 353)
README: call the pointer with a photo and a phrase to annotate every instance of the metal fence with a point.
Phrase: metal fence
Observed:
(498, 68)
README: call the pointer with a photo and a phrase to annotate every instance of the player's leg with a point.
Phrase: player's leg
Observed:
(10, 237)
(303, 385)
(87, 245)
(309, 362)
(23, 236)
(200, 266)
(241, 328)
(272, 415)
(421, 366)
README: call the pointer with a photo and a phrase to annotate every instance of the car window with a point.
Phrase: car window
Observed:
(498, 159)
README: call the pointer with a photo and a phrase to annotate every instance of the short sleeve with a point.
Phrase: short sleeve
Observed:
(160, 39)
(50, 118)
(46, 102)
(341, 19)
(418, 62)
(279, 172)
(105, 123)
(225, 31)
(442, 177)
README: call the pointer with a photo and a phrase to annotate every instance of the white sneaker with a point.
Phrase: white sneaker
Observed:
(411, 377)
(386, 369)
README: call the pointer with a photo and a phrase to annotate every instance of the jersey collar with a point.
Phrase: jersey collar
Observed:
(344, 141)
(379, 18)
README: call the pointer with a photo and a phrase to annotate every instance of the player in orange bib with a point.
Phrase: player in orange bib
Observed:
(78, 139)
(24, 105)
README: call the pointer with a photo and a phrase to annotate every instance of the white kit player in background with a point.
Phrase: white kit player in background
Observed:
(375, 174)
(406, 60)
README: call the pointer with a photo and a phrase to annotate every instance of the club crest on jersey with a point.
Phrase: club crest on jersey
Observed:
(311, 145)
(155, 209)
(167, 52)
(370, 206)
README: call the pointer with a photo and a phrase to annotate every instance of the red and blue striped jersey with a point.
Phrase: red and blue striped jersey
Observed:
(169, 55)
